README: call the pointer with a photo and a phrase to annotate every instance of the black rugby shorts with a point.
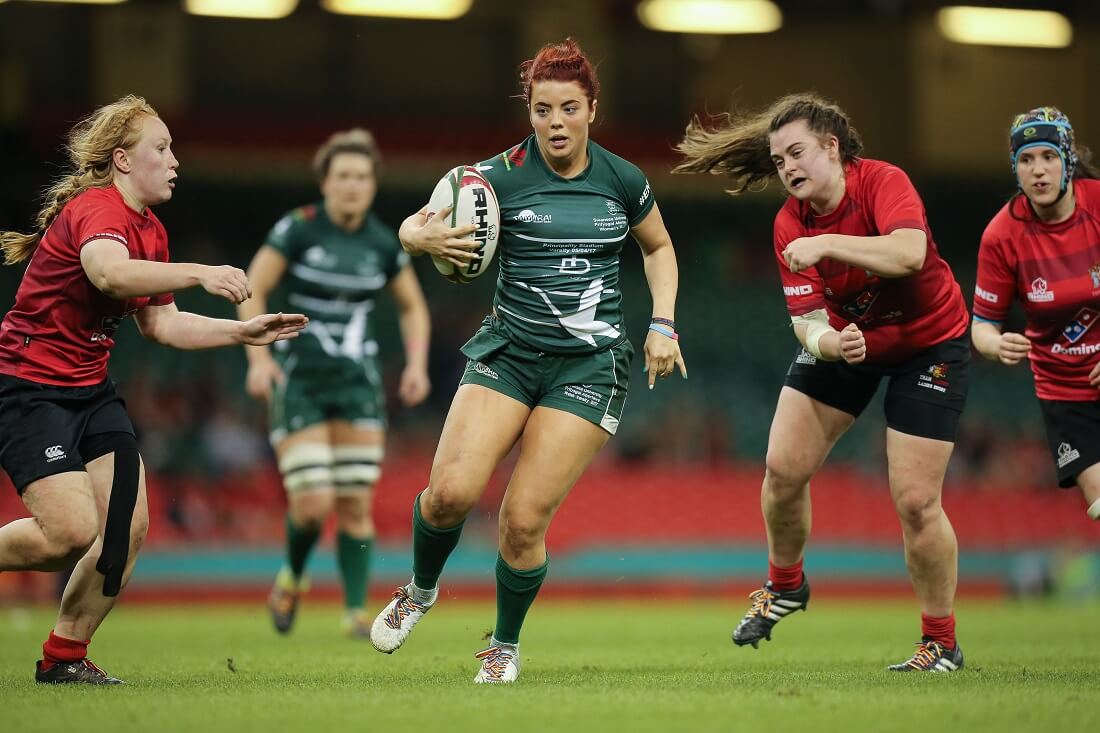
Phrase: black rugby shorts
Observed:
(43, 427)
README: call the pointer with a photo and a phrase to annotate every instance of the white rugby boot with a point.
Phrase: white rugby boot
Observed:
(392, 626)
(499, 663)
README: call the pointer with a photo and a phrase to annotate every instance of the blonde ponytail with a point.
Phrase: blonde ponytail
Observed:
(91, 143)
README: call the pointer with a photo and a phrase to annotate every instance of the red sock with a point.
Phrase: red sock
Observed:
(59, 650)
(785, 578)
(939, 628)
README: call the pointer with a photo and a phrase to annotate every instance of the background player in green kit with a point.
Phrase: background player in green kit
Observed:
(551, 364)
(325, 392)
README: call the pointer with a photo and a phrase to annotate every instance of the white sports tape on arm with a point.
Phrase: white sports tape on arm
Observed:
(817, 325)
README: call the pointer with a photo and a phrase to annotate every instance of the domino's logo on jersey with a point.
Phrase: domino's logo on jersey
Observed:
(1040, 292)
(1080, 324)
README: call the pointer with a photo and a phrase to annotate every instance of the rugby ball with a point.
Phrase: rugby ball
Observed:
(472, 201)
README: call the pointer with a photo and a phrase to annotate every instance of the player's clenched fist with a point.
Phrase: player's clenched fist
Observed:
(1013, 348)
(804, 252)
(853, 347)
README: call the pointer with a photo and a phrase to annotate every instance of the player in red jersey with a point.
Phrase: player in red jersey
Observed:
(66, 441)
(1043, 249)
(869, 297)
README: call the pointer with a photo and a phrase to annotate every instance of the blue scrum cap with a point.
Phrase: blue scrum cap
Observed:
(1047, 126)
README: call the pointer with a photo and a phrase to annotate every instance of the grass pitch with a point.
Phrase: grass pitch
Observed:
(660, 666)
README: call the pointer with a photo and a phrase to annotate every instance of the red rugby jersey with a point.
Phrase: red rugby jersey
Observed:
(61, 329)
(900, 316)
(1054, 271)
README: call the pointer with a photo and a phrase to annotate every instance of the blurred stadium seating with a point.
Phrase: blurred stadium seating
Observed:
(675, 497)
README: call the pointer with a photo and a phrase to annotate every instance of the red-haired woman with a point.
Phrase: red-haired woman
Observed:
(99, 255)
(551, 363)
(1043, 248)
(869, 297)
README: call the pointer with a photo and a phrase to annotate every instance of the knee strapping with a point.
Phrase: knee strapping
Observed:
(307, 466)
(120, 509)
(356, 466)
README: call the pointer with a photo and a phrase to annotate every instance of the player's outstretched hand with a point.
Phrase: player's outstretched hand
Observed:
(853, 347)
(271, 327)
(226, 282)
(414, 386)
(1094, 376)
(425, 234)
(1014, 347)
(662, 355)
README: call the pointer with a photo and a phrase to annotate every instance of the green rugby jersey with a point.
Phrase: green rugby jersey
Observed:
(558, 287)
(333, 276)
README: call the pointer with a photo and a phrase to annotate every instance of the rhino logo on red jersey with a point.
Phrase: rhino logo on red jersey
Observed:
(1040, 291)
(1095, 272)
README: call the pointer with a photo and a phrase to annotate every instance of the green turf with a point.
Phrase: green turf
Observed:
(604, 666)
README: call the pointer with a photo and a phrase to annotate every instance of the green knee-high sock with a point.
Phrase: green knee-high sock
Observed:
(516, 591)
(431, 548)
(353, 557)
(299, 543)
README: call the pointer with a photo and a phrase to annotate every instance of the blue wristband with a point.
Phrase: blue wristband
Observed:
(664, 331)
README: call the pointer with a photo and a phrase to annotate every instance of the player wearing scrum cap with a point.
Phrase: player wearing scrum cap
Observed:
(1043, 249)
(551, 364)
(327, 416)
(869, 297)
